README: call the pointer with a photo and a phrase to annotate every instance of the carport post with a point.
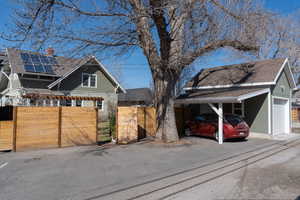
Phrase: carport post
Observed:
(220, 123)
(219, 112)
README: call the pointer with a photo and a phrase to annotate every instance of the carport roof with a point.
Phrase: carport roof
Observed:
(228, 95)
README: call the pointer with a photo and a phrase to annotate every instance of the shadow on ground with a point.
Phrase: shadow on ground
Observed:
(233, 140)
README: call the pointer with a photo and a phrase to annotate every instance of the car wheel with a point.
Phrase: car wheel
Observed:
(187, 132)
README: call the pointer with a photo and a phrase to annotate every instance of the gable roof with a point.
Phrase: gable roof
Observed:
(265, 72)
(86, 60)
(65, 66)
(137, 94)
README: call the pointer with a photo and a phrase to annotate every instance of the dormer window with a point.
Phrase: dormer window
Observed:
(89, 80)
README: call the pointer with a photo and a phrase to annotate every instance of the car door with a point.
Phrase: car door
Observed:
(210, 129)
(199, 126)
(204, 126)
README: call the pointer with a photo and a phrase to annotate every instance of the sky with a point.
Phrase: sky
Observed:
(135, 71)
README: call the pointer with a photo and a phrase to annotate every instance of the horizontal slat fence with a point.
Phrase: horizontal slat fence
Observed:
(78, 126)
(36, 127)
(48, 127)
(6, 136)
(295, 115)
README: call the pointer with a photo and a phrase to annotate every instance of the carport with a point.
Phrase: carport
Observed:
(217, 97)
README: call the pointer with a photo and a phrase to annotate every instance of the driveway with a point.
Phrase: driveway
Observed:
(93, 172)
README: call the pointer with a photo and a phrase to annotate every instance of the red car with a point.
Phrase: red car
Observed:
(207, 125)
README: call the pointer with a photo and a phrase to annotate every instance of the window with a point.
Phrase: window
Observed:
(100, 105)
(47, 102)
(68, 102)
(89, 80)
(93, 80)
(238, 109)
(85, 80)
(78, 103)
(62, 102)
(54, 102)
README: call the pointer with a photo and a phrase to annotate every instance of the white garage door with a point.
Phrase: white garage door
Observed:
(280, 116)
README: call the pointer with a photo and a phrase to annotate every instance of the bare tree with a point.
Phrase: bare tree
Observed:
(185, 76)
(171, 33)
(283, 38)
(117, 71)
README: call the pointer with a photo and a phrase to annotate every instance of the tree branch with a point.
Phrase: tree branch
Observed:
(75, 8)
(190, 57)
(93, 42)
(239, 18)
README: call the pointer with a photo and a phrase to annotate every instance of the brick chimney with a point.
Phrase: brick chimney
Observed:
(50, 51)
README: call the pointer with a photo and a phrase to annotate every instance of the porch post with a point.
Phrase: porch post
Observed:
(220, 123)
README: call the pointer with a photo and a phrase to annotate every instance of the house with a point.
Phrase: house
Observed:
(33, 79)
(296, 107)
(259, 91)
(136, 97)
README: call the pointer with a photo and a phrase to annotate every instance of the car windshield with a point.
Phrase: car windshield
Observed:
(233, 119)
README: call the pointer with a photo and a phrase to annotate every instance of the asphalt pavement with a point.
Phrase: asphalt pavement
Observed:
(94, 172)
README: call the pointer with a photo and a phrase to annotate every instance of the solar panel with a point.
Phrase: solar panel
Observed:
(44, 59)
(38, 63)
(49, 69)
(29, 68)
(35, 59)
(25, 57)
(39, 68)
(52, 60)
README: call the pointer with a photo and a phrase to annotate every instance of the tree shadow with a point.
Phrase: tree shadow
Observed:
(98, 151)
(236, 140)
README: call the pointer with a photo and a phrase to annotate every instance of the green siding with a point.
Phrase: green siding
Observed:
(282, 87)
(256, 113)
(73, 82)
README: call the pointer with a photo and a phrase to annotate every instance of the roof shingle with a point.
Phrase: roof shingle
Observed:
(245, 73)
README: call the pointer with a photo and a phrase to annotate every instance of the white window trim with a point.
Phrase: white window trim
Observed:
(89, 80)
(102, 108)
(242, 108)
(73, 103)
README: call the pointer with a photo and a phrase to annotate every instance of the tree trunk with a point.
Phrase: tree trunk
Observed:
(164, 102)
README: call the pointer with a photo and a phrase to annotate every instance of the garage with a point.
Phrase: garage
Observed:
(280, 116)
(259, 92)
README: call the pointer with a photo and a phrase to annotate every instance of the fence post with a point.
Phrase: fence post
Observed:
(59, 125)
(15, 112)
(97, 122)
(117, 126)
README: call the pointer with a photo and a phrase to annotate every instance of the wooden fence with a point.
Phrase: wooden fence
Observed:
(134, 123)
(48, 127)
(295, 115)
(6, 136)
